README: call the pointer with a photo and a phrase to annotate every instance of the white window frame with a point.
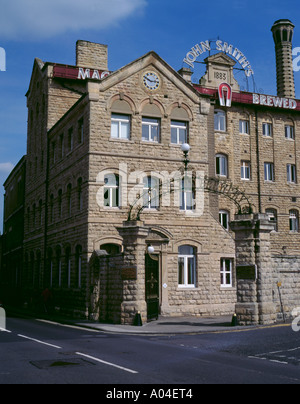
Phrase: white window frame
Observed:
(269, 172)
(245, 171)
(187, 258)
(244, 127)
(187, 194)
(273, 217)
(294, 221)
(113, 190)
(223, 168)
(220, 121)
(222, 215)
(224, 272)
(122, 121)
(267, 128)
(179, 126)
(151, 125)
(151, 193)
(289, 132)
(291, 173)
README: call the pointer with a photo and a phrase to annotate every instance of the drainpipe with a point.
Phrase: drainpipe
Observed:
(258, 164)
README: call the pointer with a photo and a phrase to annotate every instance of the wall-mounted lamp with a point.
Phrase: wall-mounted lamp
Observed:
(185, 147)
(150, 249)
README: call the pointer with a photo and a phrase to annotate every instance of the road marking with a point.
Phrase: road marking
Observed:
(68, 325)
(4, 330)
(39, 342)
(106, 363)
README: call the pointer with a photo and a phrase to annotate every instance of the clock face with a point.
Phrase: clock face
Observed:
(151, 81)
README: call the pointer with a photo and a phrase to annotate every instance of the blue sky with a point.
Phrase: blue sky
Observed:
(49, 30)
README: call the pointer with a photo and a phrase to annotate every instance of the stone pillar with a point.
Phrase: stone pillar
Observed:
(255, 280)
(134, 235)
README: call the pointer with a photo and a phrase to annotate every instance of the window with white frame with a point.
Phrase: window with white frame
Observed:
(111, 191)
(245, 171)
(120, 126)
(179, 132)
(269, 172)
(294, 221)
(222, 165)
(226, 271)
(267, 129)
(151, 130)
(224, 219)
(291, 173)
(151, 192)
(187, 266)
(244, 127)
(289, 132)
(220, 121)
(272, 213)
(187, 194)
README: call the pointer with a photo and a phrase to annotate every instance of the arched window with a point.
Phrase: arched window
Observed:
(79, 194)
(68, 266)
(111, 249)
(187, 266)
(69, 199)
(112, 191)
(59, 201)
(220, 121)
(151, 192)
(78, 265)
(294, 221)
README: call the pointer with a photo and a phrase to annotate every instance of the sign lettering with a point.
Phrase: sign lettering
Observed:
(229, 49)
(271, 101)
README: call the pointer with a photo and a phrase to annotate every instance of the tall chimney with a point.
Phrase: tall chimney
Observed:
(283, 31)
(90, 54)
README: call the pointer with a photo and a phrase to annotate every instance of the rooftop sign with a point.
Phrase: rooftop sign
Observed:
(235, 53)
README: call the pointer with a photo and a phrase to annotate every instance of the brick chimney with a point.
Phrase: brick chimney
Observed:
(283, 31)
(90, 54)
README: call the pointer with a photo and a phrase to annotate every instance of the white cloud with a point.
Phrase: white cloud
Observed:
(5, 168)
(41, 19)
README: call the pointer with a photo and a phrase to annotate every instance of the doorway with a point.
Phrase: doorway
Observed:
(152, 286)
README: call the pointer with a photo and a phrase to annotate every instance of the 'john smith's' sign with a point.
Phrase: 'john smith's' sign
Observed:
(203, 47)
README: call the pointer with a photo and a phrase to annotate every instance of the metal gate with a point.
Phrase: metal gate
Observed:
(152, 286)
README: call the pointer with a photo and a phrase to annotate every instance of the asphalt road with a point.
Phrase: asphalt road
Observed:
(36, 352)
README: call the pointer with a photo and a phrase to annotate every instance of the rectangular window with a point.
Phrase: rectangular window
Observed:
(221, 165)
(244, 127)
(151, 130)
(291, 173)
(267, 129)
(226, 272)
(289, 132)
(187, 194)
(178, 132)
(186, 267)
(245, 171)
(269, 172)
(224, 219)
(294, 221)
(120, 126)
(220, 121)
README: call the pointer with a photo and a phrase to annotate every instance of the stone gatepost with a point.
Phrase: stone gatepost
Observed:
(255, 280)
(134, 235)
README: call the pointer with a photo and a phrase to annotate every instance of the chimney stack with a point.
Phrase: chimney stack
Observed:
(283, 31)
(92, 55)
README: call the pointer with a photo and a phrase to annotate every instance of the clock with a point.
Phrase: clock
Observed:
(151, 81)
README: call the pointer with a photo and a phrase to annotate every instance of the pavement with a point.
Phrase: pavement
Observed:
(162, 326)
(169, 326)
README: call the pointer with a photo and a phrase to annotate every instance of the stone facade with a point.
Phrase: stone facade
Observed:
(104, 146)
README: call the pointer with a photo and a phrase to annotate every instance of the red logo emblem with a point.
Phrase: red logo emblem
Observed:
(225, 95)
